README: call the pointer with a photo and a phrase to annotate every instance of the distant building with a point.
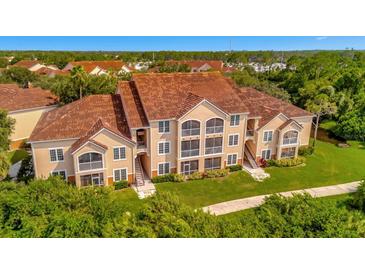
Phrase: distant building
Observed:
(100, 67)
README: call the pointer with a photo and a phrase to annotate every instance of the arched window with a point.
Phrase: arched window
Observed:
(214, 125)
(290, 137)
(90, 160)
(190, 128)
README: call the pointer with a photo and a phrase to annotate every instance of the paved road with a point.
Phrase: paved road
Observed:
(241, 204)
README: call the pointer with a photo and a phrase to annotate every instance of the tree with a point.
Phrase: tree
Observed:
(21, 76)
(79, 78)
(6, 129)
(4, 164)
(320, 105)
(3, 62)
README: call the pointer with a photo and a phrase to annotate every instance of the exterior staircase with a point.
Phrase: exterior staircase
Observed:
(143, 185)
(252, 168)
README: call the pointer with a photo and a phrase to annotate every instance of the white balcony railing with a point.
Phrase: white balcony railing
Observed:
(190, 153)
(290, 141)
(190, 132)
(212, 130)
(213, 150)
(90, 165)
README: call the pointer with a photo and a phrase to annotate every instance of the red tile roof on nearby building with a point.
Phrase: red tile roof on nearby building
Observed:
(89, 66)
(13, 98)
(26, 63)
(135, 114)
(267, 107)
(164, 95)
(77, 118)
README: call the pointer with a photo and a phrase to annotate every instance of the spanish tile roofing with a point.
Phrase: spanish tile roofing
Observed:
(13, 98)
(88, 66)
(26, 63)
(77, 118)
(167, 95)
(135, 114)
(267, 107)
(214, 64)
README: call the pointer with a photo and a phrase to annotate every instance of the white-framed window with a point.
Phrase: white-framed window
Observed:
(235, 120)
(163, 147)
(267, 136)
(119, 153)
(231, 159)
(266, 154)
(288, 152)
(214, 125)
(190, 148)
(213, 145)
(233, 140)
(163, 168)
(61, 173)
(190, 128)
(56, 154)
(290, 137)
(212, 163)
(120, 174)
(164, 127)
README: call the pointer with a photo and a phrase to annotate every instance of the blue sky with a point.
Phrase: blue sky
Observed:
(181, 43)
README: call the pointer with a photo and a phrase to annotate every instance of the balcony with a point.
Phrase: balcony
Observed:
(213, 130)
(90, 165)
(190, 132)
(290, 141)
(189, 153)
(213, 150)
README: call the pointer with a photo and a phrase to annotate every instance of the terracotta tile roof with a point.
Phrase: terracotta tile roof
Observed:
(88, 66)
(166, 95)
(267, 107)
(26, 63)
(135, 114)
(77, 118)
(214, 64)
(13, 98)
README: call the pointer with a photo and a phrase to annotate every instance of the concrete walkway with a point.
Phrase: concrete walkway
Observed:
(245, 203)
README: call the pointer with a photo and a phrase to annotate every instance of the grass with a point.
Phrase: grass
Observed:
(17, 155)
(327, 124)
(129, 199)
(328, 166)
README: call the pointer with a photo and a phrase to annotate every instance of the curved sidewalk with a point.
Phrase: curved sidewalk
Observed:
(245, 203)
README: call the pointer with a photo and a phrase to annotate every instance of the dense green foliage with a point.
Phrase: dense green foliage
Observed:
(53, 208)
(171, 177)
(26, 171)
(235, 168)
(6, 128)
(120, 185)
(287, 162)
(19, 75)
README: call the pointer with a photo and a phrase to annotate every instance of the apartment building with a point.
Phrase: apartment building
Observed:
(165, 123)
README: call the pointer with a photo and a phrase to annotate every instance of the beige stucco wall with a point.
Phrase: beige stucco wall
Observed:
(26, 121)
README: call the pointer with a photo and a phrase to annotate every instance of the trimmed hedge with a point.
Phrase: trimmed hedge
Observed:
(171, 177)
(287, 162)
(196, 176)
(120, 185)
(216, 173)
(305, 150)
(235, 168)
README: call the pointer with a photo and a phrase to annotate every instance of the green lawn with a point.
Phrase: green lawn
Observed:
(17, 155)
(329, 165)
(129, 199)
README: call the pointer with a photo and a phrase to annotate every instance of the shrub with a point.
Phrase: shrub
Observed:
(120, 184)
(306, 150)
(235, 168)
(263, 162)
(196, 176)
(358, 198)
(216, 173)
(287, 162)
(172, 177)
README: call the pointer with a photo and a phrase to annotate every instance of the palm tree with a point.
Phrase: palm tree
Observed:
(80, 78)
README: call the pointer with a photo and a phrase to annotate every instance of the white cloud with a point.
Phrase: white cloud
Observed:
(321, 38)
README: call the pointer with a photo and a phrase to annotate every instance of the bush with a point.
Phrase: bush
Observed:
(235, 168)
(26, 171)
(358, 198)
(305, 150)
(287, 162)
(172, 177)
(120, 184)
(216, 173)
(196, 176)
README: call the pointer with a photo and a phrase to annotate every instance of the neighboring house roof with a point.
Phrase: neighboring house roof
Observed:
(26, 63)
(267, 107)
(13, 98)
(77, 118)
(135, 114)
(213, 64)
(89, 66)
(167, 95)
